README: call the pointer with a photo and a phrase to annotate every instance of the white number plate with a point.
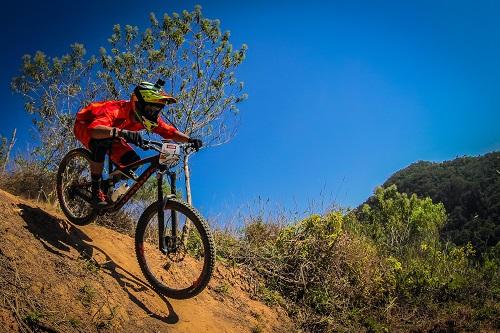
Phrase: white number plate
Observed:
(169, 153)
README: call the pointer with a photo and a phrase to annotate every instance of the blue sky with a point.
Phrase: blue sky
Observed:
(341, 93)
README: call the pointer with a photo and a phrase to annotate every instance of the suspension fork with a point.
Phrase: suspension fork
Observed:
(161, 213)
(172, 246)
(173, 213)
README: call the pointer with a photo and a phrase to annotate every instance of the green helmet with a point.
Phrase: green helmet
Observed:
(150, 101)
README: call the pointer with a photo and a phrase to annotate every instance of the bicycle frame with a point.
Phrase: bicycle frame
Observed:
(155, 166)
(139, 181)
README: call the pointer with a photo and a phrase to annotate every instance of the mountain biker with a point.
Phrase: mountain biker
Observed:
(101, 126)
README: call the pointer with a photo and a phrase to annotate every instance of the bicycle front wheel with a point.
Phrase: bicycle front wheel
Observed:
(186, 267)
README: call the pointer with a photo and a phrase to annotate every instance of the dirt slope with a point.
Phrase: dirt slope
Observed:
(55, 277)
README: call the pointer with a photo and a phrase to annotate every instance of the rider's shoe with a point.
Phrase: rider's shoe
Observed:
(99, 199)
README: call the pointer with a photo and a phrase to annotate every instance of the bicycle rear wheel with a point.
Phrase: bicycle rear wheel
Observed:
(74, 187)
(186, 270)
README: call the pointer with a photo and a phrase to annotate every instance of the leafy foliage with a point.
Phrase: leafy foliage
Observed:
(468, 187)
(53, 90)
(194, 56)
(400, 223)
(366, 270)
(406, 228)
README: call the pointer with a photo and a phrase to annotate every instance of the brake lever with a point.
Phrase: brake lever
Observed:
(188, 149)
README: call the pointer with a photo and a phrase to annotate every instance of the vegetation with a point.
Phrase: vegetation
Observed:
(468, 187)
(380, 268)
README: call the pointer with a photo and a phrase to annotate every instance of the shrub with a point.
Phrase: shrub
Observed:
(406, 228)
(399, 223)
(327, 271)
(365, 270)
(30, 180)
(228, 246)
(436, 274)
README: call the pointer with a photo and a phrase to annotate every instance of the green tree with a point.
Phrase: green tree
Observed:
(400, 222)
(53, 89)
(468, 187)
(189, 51)
(198, 62)
(406, 229)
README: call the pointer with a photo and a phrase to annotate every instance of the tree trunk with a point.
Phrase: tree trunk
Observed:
(7, 154)
(187, 179)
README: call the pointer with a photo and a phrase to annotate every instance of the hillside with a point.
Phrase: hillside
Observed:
(55, 277)
(469, 188)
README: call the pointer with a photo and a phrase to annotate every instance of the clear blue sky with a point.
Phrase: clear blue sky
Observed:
(341, 93)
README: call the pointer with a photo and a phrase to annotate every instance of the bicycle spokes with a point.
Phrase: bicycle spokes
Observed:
(176, 265)
(76, 186)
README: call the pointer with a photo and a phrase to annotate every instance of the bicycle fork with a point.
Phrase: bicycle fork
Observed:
(172, 240)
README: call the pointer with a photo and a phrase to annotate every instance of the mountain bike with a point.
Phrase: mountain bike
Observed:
(176, 258)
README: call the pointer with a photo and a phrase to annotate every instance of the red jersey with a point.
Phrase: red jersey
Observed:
(117, 114)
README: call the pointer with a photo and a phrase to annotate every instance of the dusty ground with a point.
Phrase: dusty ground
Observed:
(55, 277)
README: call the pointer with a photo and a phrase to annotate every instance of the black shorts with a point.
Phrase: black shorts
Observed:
(121, 152)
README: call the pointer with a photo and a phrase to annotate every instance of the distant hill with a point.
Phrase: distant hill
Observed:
(469, 188)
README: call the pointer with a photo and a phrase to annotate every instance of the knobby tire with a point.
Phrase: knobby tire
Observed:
(208, 246)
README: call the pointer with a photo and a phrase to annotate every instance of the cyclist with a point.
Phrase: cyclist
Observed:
(101, 126)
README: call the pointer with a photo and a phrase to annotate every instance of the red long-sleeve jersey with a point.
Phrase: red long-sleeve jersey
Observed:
(117, 114)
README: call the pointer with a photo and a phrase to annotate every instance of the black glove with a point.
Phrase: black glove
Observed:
(197, 144)
(132, 137)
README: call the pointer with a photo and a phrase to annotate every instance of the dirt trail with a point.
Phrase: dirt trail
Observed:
(61, 278)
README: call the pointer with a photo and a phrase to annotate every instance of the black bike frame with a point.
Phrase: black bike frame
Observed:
(139, 181)
(155, 165)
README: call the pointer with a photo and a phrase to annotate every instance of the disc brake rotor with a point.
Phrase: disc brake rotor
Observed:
(175, 253)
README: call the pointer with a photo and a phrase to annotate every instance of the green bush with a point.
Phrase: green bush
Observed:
(435, 274)
(228, 246)
(407, 228)
(368, 269)
(399, 223)
(321, 267)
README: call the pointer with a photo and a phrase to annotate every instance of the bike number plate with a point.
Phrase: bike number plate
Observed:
(169, 154)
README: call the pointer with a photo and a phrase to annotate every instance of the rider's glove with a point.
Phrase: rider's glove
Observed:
(197, 144)
(132, 137)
